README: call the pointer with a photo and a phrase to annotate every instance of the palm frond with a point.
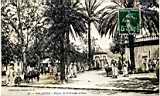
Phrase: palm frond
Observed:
(97, 5)
(107, 22)
(150, 20)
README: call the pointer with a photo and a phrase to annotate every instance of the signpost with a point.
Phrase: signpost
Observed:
(129, 21)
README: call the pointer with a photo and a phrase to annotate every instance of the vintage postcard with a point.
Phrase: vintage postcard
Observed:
(79, 47)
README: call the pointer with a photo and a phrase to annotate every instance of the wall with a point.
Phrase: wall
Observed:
(143, 51)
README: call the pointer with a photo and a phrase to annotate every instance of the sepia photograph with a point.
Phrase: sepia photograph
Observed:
(79, 48)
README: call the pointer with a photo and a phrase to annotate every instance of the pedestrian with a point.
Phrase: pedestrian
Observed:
(157, 62)
(55, 73)
(154, 64)
(125, 69)
(70, 70)
(50, 69)
(18, 78)
(28, 69)
(157, 68)
(144, 68)
(82, 67)
(114, 68)
(11, 76)
(120, 65)
(150, 65)
(46, 70)
(41, 69)
(74, 70)
(112, 64)
(106, 67)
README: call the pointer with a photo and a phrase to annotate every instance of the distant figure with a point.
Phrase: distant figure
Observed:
(154, 64)
(120, 66)
(70, 71)
(11, 75)
(29, 69)
(18, 78)
(157, 69)
(145, 65)
(46, 70)
(125, 69)
(114, 69)
(157, 62)
(74, 68)
(97, 64)
(50, 70)
(107, 68)
(82, 67)
(150, 65)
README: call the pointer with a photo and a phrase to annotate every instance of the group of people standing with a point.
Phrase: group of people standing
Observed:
(149, 65)
(116, 67)
(71, 70)
(13, 76)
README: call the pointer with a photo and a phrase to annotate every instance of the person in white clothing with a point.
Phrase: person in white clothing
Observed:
(114, 69)
(74, 70)
(125, 69)
(70, 70)
(11, 76)
(29, 69)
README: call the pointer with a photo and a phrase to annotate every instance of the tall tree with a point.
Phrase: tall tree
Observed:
(66, 19)
(149, 16)
(108, 21)
(22, 19)
(92, 10)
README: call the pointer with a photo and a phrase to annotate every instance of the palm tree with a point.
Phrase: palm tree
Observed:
(108, 20)
(92, 10)
(66, 19)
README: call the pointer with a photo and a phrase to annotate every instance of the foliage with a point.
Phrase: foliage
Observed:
(109, 22)
(66, 19)
(91, 9)
(75, 55)
(117, 45)
(20, 21)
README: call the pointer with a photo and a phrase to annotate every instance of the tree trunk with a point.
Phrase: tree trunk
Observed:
(67, 51)
(38, 63)
(24, 62)
(89, 45)
(131, 47)
(62, 65)
(122, 58)
(131, 40)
